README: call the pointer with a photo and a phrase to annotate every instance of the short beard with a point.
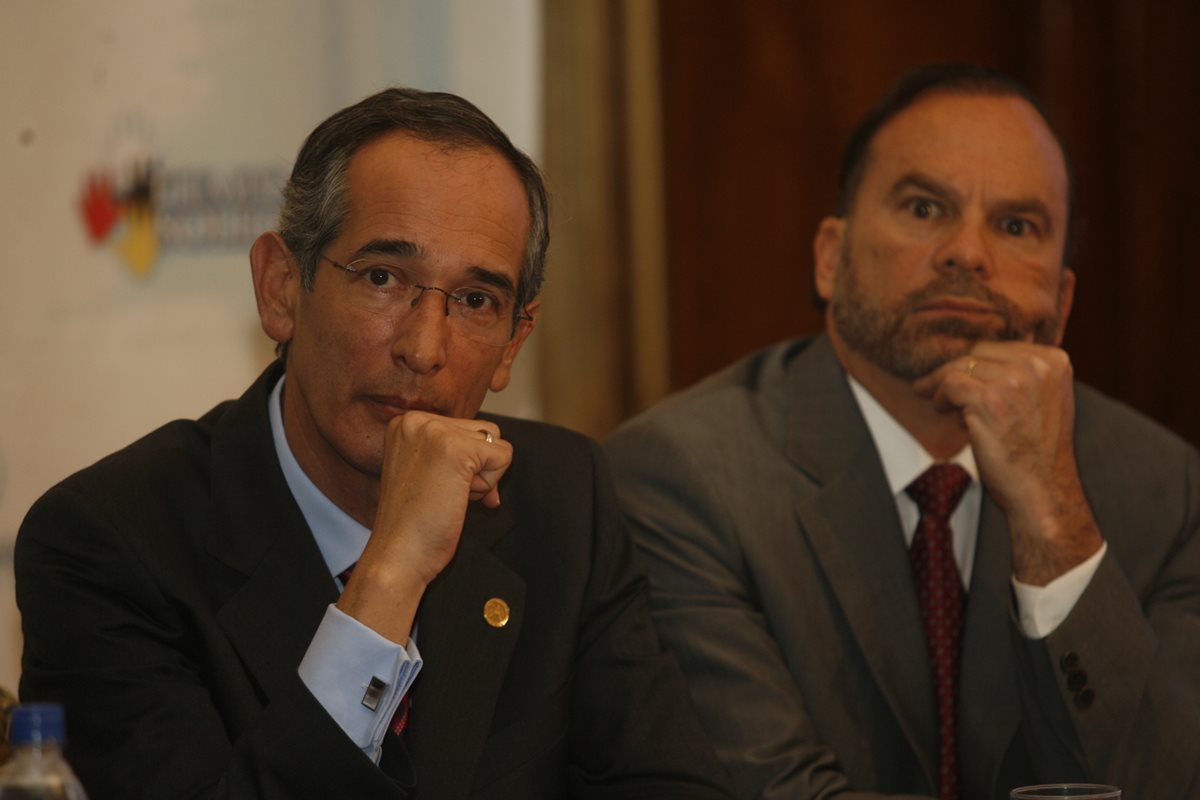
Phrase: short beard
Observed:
(889, 337)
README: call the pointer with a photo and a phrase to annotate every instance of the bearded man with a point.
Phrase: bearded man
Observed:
(911, 556)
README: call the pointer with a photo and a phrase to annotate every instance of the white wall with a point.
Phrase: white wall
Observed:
(92, 356)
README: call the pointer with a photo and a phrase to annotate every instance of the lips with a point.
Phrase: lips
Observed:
(957, 305)
(394, 405)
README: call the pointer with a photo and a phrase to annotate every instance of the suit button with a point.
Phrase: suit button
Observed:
(1069, 661)
(1085, 698)
(1076, 679)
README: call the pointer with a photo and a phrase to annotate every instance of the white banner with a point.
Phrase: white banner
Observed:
(145, 143)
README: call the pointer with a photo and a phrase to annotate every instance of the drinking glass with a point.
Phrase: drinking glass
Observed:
(1077, 791)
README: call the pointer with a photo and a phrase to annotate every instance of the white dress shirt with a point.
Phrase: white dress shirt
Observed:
(1040, 608)
(344, 655)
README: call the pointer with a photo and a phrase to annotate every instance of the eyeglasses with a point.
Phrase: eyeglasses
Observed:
(481, 312)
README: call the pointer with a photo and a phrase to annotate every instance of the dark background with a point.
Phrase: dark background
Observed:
(758, 97)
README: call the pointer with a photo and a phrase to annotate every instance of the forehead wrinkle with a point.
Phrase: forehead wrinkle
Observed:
(432, 218)
(462, 212)
(501, 232)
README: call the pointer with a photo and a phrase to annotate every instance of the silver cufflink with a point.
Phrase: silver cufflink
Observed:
(373, 694)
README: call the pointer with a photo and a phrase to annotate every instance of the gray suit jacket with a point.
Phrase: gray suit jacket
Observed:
(780, 577)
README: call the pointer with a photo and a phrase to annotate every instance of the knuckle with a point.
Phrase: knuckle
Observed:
(399, 424)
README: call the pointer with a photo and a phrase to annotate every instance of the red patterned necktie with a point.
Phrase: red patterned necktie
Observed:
(400, 718)
(940, 592)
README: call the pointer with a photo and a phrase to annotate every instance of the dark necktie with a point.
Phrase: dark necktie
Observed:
(940, 592)
(400, 718)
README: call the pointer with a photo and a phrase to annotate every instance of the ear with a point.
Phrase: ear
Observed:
(276, 285)
(1066, 300)
(524, 328)
(827, 254)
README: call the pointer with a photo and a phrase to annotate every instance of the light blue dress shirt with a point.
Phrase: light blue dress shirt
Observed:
(344, 654)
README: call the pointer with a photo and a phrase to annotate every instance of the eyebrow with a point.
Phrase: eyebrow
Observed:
(923, 182)
(405, 249)
(494, 279)
(1021, 206)
(389, 247)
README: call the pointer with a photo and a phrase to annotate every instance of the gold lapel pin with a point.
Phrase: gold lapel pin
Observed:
(495, 612)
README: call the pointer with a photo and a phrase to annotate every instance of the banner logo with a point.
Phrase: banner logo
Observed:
(143, 208)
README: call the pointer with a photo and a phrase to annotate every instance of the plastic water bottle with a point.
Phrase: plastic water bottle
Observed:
(37, 770)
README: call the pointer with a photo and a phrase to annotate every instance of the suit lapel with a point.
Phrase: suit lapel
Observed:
(271, 615)
(466, 658)
(855, 533)
(988, 723)
(271, 619)
(861, 549)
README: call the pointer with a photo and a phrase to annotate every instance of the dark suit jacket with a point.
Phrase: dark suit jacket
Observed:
(169, 592)
(779, 575)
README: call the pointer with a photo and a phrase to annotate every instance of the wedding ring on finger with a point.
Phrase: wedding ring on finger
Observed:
(971, 364)
(487, 436)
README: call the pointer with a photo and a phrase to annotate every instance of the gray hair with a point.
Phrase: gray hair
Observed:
(315, 203)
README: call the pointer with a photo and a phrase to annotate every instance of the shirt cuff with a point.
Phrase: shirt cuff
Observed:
(1041, 609)
(358, 676)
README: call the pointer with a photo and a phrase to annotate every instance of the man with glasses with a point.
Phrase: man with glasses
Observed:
(911, 556)
(347, 583)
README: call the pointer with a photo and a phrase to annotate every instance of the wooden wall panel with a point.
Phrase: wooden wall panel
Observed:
(1130, 95)
(759, 95)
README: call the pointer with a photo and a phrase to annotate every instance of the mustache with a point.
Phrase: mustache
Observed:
(958, 284)
(964, 285)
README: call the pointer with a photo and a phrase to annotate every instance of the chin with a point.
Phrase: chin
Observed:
(370, 464)
(910, 360)
(362, 446)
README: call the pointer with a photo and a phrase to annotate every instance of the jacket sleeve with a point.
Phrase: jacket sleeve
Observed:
(1117, 684)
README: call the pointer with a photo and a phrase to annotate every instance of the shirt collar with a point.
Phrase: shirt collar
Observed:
(339, 536)
(903, 457)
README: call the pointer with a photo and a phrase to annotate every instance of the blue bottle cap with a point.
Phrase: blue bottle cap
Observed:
(34, 723)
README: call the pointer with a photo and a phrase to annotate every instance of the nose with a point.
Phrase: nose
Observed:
(423, 334)
(967, 248)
